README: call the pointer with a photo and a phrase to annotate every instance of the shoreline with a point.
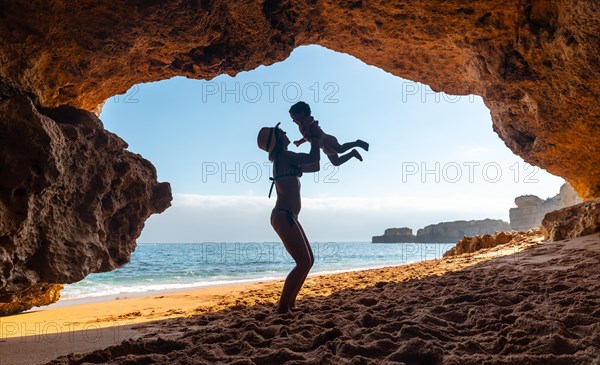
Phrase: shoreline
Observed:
(129, 309)
(127, 295)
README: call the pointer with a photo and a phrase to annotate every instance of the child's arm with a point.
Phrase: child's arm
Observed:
(306, 158)
(299, 142)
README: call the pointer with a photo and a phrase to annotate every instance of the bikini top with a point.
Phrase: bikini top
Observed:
(296, 171)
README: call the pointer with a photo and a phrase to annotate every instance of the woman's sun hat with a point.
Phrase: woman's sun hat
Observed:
(266, 138)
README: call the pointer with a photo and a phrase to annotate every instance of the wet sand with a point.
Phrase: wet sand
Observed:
(538, 305)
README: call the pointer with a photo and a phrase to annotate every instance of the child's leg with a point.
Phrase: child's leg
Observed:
(338, 160)
(331, 143)
(358, 143)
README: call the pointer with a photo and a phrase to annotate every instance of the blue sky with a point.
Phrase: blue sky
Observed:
(433, 156)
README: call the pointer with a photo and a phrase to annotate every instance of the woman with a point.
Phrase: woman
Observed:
(284, 217)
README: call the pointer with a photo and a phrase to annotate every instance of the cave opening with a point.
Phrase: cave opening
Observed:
(433, 158)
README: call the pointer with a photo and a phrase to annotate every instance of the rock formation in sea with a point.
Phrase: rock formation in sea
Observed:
(534, 63)
(453, 231)
(443, 232)
(395, 235)
(531, 209)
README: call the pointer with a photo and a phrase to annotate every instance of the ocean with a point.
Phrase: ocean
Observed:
(168, 266)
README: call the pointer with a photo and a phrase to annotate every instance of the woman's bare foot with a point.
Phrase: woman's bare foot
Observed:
(282, 309)
(293, 308)
(356, 154)
(362, 144)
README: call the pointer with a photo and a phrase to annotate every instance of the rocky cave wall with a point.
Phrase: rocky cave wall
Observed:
(72, 200)
(535, 63)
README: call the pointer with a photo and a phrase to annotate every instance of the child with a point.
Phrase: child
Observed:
(309, 128)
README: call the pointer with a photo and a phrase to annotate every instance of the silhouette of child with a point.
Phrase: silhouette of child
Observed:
(309, 128)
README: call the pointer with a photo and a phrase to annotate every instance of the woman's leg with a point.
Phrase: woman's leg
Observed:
(312, 261)
(293, 240)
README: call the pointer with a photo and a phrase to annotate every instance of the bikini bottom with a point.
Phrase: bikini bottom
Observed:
(292, 218)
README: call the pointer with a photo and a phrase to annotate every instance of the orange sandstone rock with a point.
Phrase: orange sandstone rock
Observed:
(34, 296)
(476, 243)
(575, 221)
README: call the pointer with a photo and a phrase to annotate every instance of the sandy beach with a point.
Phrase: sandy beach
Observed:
(523, 302)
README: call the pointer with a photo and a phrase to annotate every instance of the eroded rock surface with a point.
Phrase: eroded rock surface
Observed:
(36, 295)
(476, 243)
(535, 62)
(72, 199)
(575, 221)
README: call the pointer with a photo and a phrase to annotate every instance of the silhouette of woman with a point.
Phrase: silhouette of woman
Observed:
(284, 217)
